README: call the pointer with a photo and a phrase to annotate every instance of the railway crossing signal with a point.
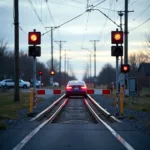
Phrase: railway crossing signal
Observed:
(52, 72)
(40, 73)
(116, 37)
(117, 51)
(34, 39)
(34, 51)
(125, 68)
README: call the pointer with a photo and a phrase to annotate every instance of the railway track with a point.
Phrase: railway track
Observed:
(75, 110)
(68, 110)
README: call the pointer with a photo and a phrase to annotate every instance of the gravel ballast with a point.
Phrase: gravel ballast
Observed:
(139, 119)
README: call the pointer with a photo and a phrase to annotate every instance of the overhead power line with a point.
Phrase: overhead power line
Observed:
(65, 22)
(30, 2)
(140, 24)
(78, 2)
(85, 29)
(22, 29)
(133, 2)
(142, 12)
(63, 4)
(50, 13)
(74, 18)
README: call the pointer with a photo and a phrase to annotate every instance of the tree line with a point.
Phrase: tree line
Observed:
(26, 67)
(107, 75)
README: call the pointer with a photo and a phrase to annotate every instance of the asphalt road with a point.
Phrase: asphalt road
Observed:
(76, 136)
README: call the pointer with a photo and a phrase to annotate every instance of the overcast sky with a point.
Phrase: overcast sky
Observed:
(77, 33)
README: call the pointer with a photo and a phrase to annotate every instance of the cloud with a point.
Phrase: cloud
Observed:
(78, 32)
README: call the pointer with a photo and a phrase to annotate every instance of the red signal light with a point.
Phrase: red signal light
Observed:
(117, 37)
(40, 73)
(125, 68)
(52, 72)
(34, 38)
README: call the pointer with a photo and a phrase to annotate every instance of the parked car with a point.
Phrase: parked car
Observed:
(38, 84)
(76, 88)
(9, 83)
(24, 84)
(56, 84)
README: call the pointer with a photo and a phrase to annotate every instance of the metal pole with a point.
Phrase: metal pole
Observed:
(52, 53)
(90, 68)
(94, 41)
(94, 64)
(126, 33)
(60, 47)
(121, 14)
(34, 78)
(60, 66)
(16, 50)
(65, 68)
(40, 81)
(116, 74)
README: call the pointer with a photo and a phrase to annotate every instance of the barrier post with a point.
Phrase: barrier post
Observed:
(116, 100)
(35, 99)
(31, 100)
(121, 100)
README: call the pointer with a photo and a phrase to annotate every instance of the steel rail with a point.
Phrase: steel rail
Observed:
(113, 132)
(32, 133)
(45, 111)
(104, 112)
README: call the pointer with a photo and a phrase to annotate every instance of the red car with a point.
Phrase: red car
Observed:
(76, 88)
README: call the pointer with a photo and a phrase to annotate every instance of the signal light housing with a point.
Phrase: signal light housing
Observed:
(125, 68)
(116, 37)
(117, 51)
(34, 51)
(34, 38)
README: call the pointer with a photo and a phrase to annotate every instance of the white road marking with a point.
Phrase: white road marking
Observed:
(31, 134)
(118, 137)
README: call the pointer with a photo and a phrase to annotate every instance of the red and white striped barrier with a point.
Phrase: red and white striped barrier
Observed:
(102, 91)
(40, 92)
(56, 91)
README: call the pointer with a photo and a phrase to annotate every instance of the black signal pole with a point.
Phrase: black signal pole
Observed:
(16, 50)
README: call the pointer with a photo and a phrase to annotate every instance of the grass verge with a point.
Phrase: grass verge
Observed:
(9, 108)
(141, 103)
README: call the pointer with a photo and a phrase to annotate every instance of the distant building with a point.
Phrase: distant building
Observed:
(144, 74)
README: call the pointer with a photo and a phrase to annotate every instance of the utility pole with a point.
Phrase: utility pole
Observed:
(65, 68)
(52, 67)
(87, 6)
(120, 13)
(126, 33)
(126, 39)
(94, 41)
(16, 50)
(60, 46)
(90, 68)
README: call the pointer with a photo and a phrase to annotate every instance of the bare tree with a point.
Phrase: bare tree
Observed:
(107, 74)
(55, 65)
(147, 43)
(135, 59)
(3, 47)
